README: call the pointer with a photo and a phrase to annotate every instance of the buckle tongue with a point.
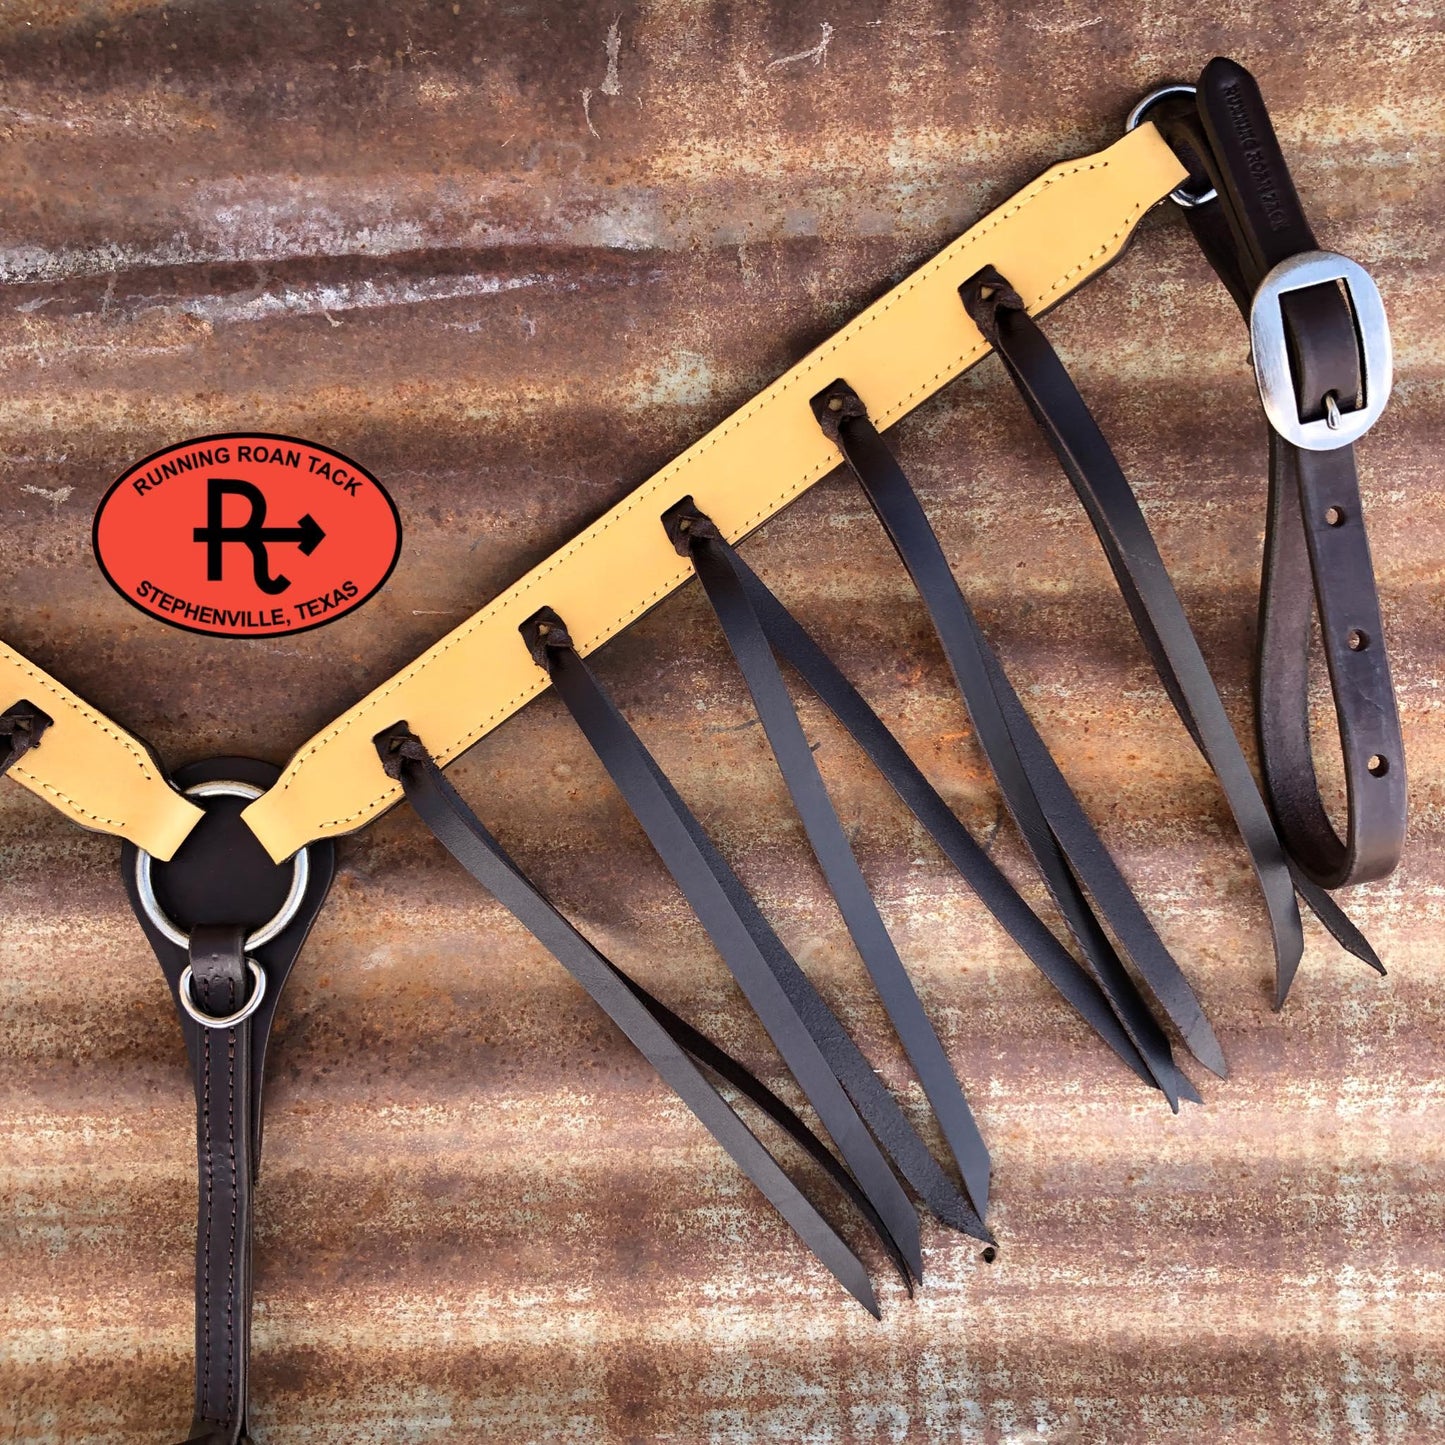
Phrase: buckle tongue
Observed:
(1337, 428)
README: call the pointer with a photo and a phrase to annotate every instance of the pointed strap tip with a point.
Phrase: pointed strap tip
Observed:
(1206, 1048)
(861, 1288)
(1283, 982)
(970, 1224)
(1367, 955)
(912, 1253)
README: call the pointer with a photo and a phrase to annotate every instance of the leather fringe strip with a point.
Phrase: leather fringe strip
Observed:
(1089, 463)
(673, 1047)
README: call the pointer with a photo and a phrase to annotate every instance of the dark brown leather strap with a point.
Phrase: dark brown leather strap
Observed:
(226, 1165)
(695, 537)
(218, 892)
(791, 641)
(670, 1044)
(1315, 533)
(1088, 461)
(21, 728)
(828, 1065)
(1054, 826)
(1317, 554)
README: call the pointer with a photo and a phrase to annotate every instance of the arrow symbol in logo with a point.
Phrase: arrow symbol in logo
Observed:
(252, 534)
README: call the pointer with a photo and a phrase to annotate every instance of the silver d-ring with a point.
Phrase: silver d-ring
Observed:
(210, 1021)
(290, 907)
(1180, 195)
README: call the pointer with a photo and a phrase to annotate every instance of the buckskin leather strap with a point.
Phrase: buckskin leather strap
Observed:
(1050, 819)
(1053, 235)
(1308, 351)
(92, 770)
(226, 925)
(669, 1044)
(1089, 462)
(821, 1054)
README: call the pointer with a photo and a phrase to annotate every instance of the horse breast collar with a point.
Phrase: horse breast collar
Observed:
(228, 862)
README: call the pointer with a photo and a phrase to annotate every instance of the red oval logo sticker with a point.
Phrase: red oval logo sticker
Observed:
(247, 535)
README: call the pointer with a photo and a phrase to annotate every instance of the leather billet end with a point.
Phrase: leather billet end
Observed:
(836, 404)
(545, 632)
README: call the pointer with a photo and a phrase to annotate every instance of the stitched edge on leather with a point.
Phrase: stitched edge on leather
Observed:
(210, 1196)
(55, 692)
(669, 473)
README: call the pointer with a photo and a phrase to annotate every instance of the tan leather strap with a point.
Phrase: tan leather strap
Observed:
(95, 772)
(1050, 238)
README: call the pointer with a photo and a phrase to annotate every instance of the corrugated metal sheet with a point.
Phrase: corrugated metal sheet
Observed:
(512, 258)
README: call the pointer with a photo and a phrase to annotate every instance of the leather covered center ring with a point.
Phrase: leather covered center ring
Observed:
(290, 906)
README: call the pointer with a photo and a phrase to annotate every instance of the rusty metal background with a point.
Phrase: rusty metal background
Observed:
(512, 258)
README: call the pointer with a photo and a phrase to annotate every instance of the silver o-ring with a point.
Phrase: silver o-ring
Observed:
(1180, 195)
(210, 1021)
(150, 905)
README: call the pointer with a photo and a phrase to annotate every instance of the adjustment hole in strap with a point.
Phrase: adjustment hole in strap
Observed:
(988, 1254)
(1378, 765)
(1357, 641)
(1335, 516)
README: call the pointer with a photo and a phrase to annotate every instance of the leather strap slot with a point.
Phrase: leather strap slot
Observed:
(21, 728)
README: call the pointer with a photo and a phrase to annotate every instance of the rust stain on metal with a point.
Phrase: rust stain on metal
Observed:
(512, 259)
